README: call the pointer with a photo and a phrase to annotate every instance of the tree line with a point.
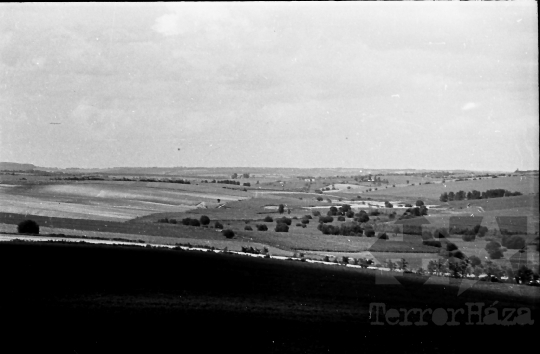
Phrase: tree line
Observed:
(474, 194)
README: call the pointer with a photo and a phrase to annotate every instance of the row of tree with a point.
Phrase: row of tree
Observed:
(474, 194)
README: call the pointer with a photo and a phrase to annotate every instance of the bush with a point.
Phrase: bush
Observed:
(383, 236)
(440, 233)
(513, 242)
(497, 254)
(282, 228)
(186, 221)
(432, 243)
(350, 214)
(218, 225)
(284, 220)
(305, 221)
(329, 229)
(204, 220)
(326, 219)
(262, 227)
(363, 217)
(475, 260)
(268, 219)
(374, 213)
(228, 233)
(248, 228)
(451, 247)
(299, 224)
(369, 232)
(28, 227)
(316, 213)
(468, 237)
(194, 222)
(426, 235)
(341, 218)
(307, 217)
(419, 203)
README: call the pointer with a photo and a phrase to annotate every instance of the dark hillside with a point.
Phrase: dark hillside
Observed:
(89, 299)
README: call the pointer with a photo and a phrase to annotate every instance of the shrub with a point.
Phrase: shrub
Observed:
(262, 227)
(383, 236)
(451, 247)
(475, 260)
(329, 229)
(268, 219)
(281, 208)
(419, 203)
(363, 217)
(204, 220)
(374, 213)
(432, 243)
(326, 259)
(305, 221)
(172, 221)
(326, 219)
(497, 254)
(426, 235)
(369, 232)
(350, 229)
(341, 218)
(186, 221)
(281, 227)
(248, 228)
(316, 213)
(228, 233)
(304, 226)
(350, 214)
(284, 220)
(194, 222)
(513, 242)
(468, 237)
(440, 233)
(28, 227)
(218, 225)
(319, 199)
(307, 217)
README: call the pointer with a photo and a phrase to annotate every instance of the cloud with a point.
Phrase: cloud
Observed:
(469, 106)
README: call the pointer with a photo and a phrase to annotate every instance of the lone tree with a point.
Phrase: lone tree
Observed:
(228, 233)
(205, 220)
(28, 227)
(281, 208)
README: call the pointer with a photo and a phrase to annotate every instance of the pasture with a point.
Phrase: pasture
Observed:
(132, 210)
(432, 192)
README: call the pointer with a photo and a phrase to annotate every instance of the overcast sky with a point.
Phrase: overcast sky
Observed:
(441, 85)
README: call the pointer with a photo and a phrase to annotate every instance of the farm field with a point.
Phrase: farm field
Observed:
(132, 210)
(432, 192)
(107, 201)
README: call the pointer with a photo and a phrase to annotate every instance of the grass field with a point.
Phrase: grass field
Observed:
(432, 192)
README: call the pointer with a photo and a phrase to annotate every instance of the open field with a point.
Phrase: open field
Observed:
(108, 201)
(525, 185)
(132, 209)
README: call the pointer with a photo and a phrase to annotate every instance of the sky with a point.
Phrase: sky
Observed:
(444, 85)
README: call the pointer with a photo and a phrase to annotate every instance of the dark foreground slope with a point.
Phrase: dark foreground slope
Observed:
(94, 299)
